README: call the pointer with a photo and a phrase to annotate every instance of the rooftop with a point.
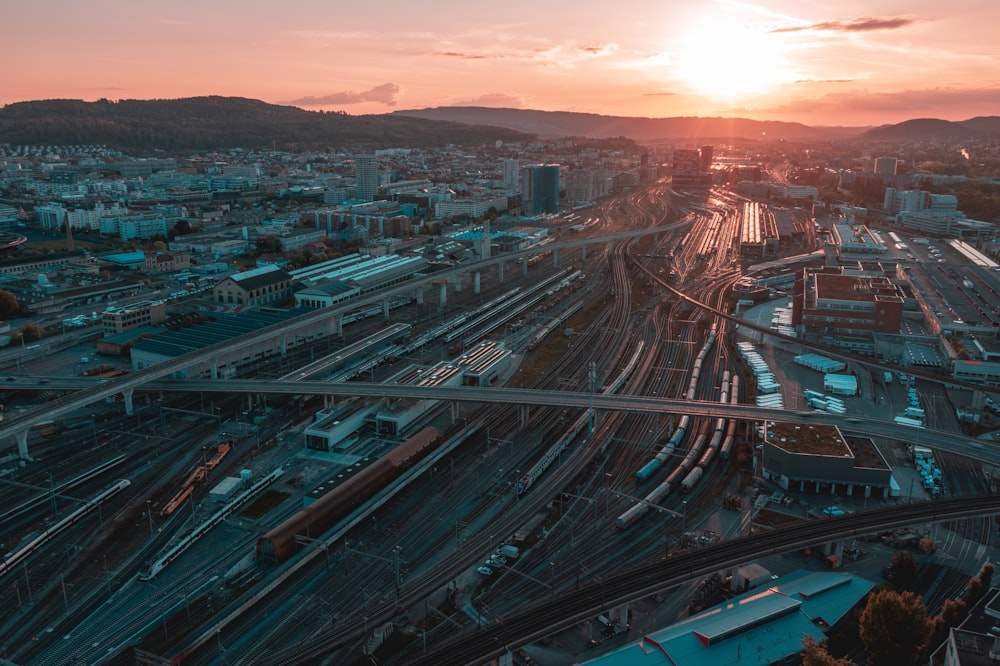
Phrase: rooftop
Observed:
(822, 440)
(762, 626)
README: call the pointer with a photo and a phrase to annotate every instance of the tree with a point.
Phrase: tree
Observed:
(32, 331)
(903, 569)
(9, 307)
(894, 628)
(815, 654)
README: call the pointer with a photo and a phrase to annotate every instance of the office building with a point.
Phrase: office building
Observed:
(540, 189)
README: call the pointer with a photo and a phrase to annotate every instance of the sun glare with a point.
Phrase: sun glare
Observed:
(731, 62)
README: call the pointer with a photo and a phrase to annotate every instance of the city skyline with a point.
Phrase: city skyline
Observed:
(855, 64)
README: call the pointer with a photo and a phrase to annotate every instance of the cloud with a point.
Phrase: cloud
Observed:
(563, 54)
(862, 24)
(494, 100)
(383, 94)
(658, 94)
(467, 56)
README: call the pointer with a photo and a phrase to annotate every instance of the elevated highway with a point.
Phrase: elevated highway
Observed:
(17, 425)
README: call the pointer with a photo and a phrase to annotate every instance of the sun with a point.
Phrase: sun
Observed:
(732, 62)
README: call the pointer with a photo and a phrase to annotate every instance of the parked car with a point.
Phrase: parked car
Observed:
(486, 571)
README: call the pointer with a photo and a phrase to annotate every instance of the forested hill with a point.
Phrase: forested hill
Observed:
(215, 123)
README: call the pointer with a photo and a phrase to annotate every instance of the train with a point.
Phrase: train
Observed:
(700, 455)
(278, 545)
(730, 439)
(536, 471)
(216, 519)
(25, 551)
(683, 424)
(528, 479)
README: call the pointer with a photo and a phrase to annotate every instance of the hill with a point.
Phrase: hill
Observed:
(933, 129)
(552, 124)
(215, 123)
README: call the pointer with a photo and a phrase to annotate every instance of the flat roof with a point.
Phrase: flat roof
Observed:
(813, 439)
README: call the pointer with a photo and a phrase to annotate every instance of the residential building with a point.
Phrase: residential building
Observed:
(366, 176)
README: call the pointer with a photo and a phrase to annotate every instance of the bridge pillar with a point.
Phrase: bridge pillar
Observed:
(385, 309)
(583, 253)
(458, 283)
(419, 296)
(127, 393)
(500, 271)
(454, 411)
(443, 295)
(524, 267)
(555, 258)
(338, 321)
(475, 282)
(22, 444)
(522, 415)
(215, 370)
(283, 344)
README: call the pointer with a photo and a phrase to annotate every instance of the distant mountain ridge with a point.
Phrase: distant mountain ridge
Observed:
(214, 123)
(933, 128)
(566, 123)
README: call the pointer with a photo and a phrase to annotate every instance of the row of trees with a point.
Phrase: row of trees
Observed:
(894, 627)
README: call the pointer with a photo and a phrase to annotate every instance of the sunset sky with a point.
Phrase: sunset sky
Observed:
(851, 62)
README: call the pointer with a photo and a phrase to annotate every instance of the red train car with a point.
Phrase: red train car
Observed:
(279, 544)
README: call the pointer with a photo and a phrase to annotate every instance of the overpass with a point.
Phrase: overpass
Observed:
(17, 425)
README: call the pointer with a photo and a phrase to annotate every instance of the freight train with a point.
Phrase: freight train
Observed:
(684, 423)
(696, 461)
(278, 545)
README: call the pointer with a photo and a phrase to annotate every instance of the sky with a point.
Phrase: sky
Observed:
(850, 62)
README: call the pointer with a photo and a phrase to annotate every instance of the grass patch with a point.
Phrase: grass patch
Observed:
(264, 503)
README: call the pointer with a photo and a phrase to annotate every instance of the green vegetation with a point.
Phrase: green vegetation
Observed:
(209, 123)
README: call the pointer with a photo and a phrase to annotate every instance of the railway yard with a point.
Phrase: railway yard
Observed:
(207, 528)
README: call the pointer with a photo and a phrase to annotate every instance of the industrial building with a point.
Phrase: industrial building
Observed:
(822, 460)
(398, 415)
(332, 428)
(116, 320)
(253, 288)
(170, 344)
(836, 306)
(757, 628)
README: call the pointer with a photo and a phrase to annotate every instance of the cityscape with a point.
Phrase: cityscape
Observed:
(422, 373)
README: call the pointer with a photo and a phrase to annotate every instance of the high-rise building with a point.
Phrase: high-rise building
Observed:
(540, 189)
(886, 166)
(366, 176)
(705, 155)
(511, 175)
(688, 171)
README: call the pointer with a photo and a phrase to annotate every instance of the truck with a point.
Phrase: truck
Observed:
(914, 412)
(510, 552)
(887, 376)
